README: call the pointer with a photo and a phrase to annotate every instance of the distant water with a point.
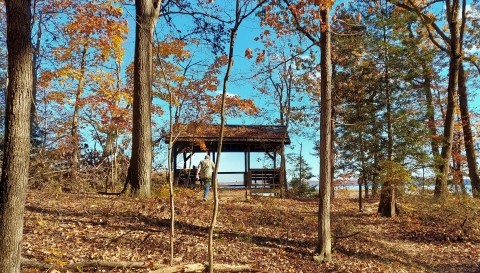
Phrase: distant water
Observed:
(468, 187)
(315, 184)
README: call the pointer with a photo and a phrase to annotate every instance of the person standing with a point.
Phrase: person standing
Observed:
(205, 170)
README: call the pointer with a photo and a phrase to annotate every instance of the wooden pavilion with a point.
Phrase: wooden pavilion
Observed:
(189, 139)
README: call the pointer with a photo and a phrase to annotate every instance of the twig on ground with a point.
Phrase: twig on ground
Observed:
(347, 236)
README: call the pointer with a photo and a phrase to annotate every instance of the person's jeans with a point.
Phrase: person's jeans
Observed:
(206, 187)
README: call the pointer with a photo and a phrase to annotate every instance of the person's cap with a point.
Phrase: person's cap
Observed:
(207, 157)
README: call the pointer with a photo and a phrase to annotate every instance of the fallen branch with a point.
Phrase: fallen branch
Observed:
(36, 264)
(118, 238)
(109, 193)
(347, 236)
(39, 174)
(105, 264)
(159, 268)
(202, 267)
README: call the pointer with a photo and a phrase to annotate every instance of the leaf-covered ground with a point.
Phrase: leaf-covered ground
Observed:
(268, 233)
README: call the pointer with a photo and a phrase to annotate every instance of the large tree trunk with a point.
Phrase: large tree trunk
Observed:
(444, 164)
(467, 133)
(452, 10)
(139, 172)
(387, 205)
(324, 245)
(16, 158)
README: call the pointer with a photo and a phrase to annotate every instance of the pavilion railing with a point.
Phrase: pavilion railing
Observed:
(255, 179)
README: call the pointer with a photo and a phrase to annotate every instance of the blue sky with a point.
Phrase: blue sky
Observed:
(249, 30)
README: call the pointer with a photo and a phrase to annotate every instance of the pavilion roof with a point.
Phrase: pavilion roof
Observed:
(232, 133)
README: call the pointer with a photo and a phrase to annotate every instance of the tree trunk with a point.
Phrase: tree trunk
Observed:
(430, 115)
(287, 109)
(452, 10)
(170, 180)
(16, 158)
(365, 184)
(332, 152)
(467, 133)
(387, 207)
(324, 245)
(457, 176)
(362, 176)
(283, 172)
(34, 126)
(360, 200)
(374, 184)
(233, 36)
(139, 171)
(76, 109)
(239, 17)
(387, 204)
(444, 164)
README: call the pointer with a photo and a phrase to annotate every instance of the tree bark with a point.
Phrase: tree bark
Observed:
(365, 184)
(34, 126)
(444, 166)
(375, 183)
(452, 10)
(387, 207)
(16, 158)
(332, 152)
(467, 133)
(387, 204)
(75, 142)
(360, 200)
(139, 171)
(324, 245)
(283, 92)
(430, 115)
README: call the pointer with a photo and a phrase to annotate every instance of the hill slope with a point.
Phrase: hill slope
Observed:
(268, 233)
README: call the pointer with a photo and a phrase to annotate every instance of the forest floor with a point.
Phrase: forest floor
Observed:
(268, 233)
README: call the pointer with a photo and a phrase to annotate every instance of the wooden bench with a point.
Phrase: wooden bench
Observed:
(186, 177)
(263, 181)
